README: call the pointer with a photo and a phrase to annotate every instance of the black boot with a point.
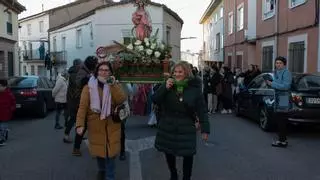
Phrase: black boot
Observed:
(57, 126)
(174, 175)
(101, 175)
(122, 156)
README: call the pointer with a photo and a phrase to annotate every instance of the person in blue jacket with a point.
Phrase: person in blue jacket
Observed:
(281, 84)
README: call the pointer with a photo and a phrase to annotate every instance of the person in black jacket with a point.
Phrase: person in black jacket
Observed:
(227, 82)
(85, 72)
(72, 98)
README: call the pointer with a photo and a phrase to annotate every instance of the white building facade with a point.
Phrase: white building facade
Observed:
(100, 27)
(33, 44)
(192, 58)
(9, 57)
(213, 32)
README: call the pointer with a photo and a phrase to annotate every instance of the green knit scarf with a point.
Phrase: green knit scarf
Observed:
(181, 85)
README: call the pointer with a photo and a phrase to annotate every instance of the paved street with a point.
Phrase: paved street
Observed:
(238, 150)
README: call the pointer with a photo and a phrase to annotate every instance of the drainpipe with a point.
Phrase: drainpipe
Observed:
(49, 46)
(235, 16)
(318, 37)
(276, 28)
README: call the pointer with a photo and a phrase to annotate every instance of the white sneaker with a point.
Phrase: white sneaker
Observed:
(229, 111)
(224, 111)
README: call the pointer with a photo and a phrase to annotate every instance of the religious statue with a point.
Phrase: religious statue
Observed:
(141, 20)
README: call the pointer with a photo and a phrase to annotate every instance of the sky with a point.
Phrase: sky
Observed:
(189, 10)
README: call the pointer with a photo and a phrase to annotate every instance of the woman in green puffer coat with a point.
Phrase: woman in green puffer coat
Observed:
(180, 99)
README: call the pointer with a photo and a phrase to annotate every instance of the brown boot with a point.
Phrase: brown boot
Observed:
(76, 152)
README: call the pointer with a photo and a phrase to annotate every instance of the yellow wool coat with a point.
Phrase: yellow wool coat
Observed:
(103, 135)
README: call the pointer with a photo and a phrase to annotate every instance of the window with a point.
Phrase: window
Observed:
(216, 17)
(221, 12)
(41, 27)
(268, 8)
(41, 70)
(63, 43)
(229, 61)
(240, 18)
(24, 70)
(295, 3)
(168, 35)
(218, 42)
(239, 62)
(9, 23)
(296, 57)
(54, 44)
(79, 38)
(10, 63)
(33, 70)
(308, 82)
(126, 35)
(22, 82)
(256, 83)
(267, 58)
(29, 29)
(230, 23)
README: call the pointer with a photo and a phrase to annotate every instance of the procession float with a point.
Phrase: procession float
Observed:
(144, 58)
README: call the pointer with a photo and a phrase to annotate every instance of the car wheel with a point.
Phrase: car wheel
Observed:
(44, 110)
(264, 120)
(237, 109)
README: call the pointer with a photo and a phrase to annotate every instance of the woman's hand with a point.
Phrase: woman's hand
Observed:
(169, 83)
(205, 136)
(269, 82)
(80, 130)
(111, 80)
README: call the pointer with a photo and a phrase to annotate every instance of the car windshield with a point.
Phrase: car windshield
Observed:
(22, 82)
(309, 82)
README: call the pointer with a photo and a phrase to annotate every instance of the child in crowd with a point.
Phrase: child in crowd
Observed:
(7, 107)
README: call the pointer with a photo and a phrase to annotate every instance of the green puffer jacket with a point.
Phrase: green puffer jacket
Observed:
(177, 133)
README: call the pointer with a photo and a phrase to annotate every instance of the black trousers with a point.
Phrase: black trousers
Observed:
(123, 138)
(227, 103)
(78, 138)
(187, 166)
(70, 124)
(282, 121)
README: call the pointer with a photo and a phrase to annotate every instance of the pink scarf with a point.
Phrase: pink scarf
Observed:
(95, 102)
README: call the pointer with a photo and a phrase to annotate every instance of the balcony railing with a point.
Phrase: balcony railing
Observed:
(9, 28)
(59, 58)
(33, 55)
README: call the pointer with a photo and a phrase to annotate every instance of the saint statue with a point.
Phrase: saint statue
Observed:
(141, 20)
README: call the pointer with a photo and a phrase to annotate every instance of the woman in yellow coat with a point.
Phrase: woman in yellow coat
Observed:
(98, 100)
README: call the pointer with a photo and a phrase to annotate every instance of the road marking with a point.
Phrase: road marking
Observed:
(134, 147)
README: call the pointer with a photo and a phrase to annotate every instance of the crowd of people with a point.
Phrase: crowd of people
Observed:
(221, 85)
(90, 96)
(89, 99)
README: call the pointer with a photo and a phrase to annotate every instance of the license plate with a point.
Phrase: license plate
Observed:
(18, 105)
(313, 100)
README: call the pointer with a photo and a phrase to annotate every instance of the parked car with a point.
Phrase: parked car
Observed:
(257, 100)
(33, 94)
